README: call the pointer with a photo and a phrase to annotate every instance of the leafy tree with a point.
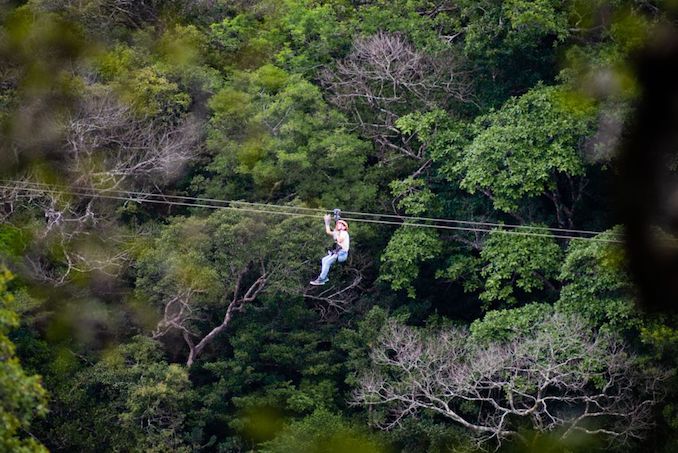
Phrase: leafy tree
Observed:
(132, 399)
(22, 397)
(597, 285)
(509, 267)
(311, 34)
(237, 42)
(356, 342)
(514, 262)
(529, 148)
(560, 375)
(323, 431)
(273, 133)
(204, 268)
(153, 95)
(507, 324)
(464, 268)
(407, 249)
(271, 368)
(513, 43)
(412, 196)
(523, 25)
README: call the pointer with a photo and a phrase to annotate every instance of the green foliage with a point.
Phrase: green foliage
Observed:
(280, 378)
(413, 196)
(157, 405)
(179, 260)
(507, 263)
(271, 368)
(236, 37)
(182, 45)
(207, 256)
(596, 284)
(661, 336)
(502, 29)
(428, 433)
(272, 132)
(512, 44)
(520, 150)
(463, 267)
(630, 31)
(514, 262)
(230, 108)
(358, 341)
(507, 324)
(271, 78)
(131, 400)
(22, 397)
(420, 20)
(116, 62)
(152, 94)
(323, 431)
(405, 252)
(424, 124)
(13, 240)
(310, 34)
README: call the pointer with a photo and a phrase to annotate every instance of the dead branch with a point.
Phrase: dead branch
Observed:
(109, 146)
(106, 146)
(564, 376)
(385, 77)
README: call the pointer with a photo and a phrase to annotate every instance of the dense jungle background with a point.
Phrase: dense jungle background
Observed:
(164, 169)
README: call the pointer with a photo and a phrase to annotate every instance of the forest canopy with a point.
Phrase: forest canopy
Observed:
(165, 167)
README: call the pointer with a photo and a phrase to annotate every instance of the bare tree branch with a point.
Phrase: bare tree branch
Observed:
(384, 78)
(564, 376)
(106, 146)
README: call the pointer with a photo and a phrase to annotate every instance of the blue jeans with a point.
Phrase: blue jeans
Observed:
(329, 260)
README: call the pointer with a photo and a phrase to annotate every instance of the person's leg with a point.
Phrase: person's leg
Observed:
(327, 262)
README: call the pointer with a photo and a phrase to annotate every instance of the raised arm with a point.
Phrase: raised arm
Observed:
(327, 225)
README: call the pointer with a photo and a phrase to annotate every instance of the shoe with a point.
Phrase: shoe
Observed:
(318, 282)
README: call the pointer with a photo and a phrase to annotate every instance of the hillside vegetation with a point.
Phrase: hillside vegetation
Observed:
(165, 169)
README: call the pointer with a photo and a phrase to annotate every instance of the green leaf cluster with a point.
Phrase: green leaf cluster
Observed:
(521, 149)
(525, 263)
(131, 399)
(597, 284)
(22, 396)
(406, 250)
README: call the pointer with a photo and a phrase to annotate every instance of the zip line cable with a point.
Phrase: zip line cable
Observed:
(94, 193)
(296, 214)
(402, 219)
(315, 210)
(385, 222)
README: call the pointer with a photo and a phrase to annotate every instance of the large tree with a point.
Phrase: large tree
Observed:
(202, 271)
(559, 375)
(531, 147)
(384, 78)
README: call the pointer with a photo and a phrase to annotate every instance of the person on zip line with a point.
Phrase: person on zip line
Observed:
(338, 253)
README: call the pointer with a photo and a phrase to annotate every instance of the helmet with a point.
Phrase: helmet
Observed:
(343, 222)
